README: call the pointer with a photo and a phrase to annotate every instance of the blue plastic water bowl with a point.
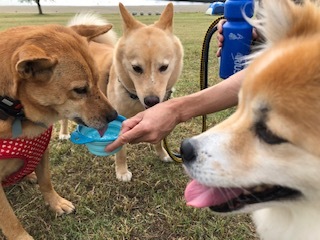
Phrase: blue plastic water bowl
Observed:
(92, 139)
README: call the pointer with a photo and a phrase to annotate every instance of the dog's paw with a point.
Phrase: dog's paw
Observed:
(162, 153)
(31, 178)
(64, 136)
(124, 177)
(166, 159)
(60, 205)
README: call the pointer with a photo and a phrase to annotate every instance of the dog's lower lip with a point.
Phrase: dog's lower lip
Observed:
(248, 197)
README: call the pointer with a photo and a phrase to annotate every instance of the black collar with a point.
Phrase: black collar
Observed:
(13, 108)
(10, 108)
(131, 95)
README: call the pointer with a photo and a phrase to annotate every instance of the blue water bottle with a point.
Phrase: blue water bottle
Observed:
(237, 33)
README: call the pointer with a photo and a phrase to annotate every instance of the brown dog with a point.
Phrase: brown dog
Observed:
(47, 74)
(101, 48)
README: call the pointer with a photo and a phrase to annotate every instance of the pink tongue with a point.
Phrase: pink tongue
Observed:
(200, 196)
(102, 130)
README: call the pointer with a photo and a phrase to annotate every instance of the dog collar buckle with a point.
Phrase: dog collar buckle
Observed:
(10, 107)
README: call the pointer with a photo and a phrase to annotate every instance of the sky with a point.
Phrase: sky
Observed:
(91, 2)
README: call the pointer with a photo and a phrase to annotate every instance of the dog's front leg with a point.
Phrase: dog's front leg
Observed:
(161, 152)
(122, 172)
(64, 132)
(9, 223)
(51, 197)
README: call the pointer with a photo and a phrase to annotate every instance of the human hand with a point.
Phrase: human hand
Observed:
(151, 125)
(220, 35)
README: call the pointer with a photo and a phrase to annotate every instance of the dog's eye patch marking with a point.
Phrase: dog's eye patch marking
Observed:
(137, 69)
(163, 68)
(266, 135)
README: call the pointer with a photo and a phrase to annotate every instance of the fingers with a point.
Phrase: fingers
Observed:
(128, 125)
(125, 136)
(220, 36)
(120, 141)
(220, 40)
(135, 132)
(219, 25)
(218, 54)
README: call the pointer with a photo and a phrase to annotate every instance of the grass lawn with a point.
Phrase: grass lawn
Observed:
(151, 206)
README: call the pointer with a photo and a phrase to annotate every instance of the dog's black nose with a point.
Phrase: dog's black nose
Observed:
(151, 101)
(187, 151)
(112, 115)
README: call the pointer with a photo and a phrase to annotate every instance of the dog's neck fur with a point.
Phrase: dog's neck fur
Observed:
(289, 222)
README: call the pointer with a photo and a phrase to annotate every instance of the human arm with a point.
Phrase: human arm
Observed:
(155, 123)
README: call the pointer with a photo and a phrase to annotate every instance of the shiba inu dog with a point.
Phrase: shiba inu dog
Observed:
(47, 74)
(146, 62)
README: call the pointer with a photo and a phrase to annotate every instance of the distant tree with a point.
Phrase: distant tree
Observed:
(37, 2)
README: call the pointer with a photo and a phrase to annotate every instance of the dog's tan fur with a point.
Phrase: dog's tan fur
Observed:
(156, 51)
(101, 49)
(273, 137)
(50, 70)
(102, 54)
(147, 62)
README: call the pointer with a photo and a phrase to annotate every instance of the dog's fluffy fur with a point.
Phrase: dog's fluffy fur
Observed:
(147, 62)
(50, 70)
(265, 158)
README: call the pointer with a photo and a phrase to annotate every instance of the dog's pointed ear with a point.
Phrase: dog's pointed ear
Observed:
(32, 63)
(129, 23)
(91, 31)
(166, 19)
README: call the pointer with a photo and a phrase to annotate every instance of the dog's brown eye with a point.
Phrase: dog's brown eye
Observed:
(266, 135)
(163, 68)
(137, 69)
(82, 90)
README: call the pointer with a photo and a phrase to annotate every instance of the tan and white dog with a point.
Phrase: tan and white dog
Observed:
(265, 158)
(147, 61)
(47, 74)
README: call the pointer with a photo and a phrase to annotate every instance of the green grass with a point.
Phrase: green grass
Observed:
(151, 206)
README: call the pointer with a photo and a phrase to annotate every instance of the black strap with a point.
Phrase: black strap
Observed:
(10, 107)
